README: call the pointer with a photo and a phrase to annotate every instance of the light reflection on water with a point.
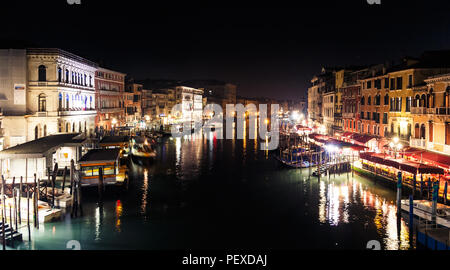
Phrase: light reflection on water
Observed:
(334, 209)
(232, 182)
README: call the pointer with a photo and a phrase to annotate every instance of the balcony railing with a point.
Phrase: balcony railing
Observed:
(76, 112)
(348, 115)
(419, 110)
(111, 110)
(421, 143)
(401, 136)
(442, 111)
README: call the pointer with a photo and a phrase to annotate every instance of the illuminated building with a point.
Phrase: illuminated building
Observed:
(47, 91)
(431, 114)
(133, 103)
(109, 88)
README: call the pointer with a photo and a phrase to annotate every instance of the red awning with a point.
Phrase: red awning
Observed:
(301, 127)
(347, 134)
(404, 165)
(362, 138)
(428, 156)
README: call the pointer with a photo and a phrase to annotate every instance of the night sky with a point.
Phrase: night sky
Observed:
(267, 49)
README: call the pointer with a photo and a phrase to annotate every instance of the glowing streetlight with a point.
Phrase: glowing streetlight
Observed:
(395, 146)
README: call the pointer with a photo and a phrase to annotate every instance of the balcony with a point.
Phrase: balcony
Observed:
(419, 110)
(442, 111)
(348, 115)
(111, 110)
(401, 136)
(74, 112)
(420, 143)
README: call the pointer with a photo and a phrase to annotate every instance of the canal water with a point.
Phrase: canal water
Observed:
(205, 193)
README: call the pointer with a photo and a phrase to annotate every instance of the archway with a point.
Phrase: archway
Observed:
(422, 131)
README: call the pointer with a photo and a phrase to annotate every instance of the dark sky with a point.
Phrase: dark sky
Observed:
(268, 49)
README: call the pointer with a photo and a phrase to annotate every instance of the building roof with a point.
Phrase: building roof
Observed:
(42, 146)
(114, 139)
(98, 155)
(57, 51)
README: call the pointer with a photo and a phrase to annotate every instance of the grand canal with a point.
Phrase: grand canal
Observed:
(205, 193)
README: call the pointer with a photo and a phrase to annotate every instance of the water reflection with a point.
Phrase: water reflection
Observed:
(119, 210)
(335, 208)
(145, 190)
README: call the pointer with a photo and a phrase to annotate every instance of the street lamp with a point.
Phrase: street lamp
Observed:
(396, 146)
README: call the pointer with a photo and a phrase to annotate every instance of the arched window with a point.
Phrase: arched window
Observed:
(422, 131)
(369, 100)
(67, 101)
(417, 101)
(60, 101)
(67, 76)
(73, 127)
(42, 73)
(79, 127)
(90, 102)
(59, 74)
(362, 101)
(45, 130)
(447, 97)
(85, 82)
(386, 99)
(67, 127)
(422, 101)
(431, 98)
(42, 103)
(416, 131)
(430, 131)
(36, 132)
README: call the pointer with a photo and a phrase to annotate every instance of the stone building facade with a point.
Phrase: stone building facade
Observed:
(109, 88)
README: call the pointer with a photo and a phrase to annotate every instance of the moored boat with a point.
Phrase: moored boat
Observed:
(423, 210)
(142, 151)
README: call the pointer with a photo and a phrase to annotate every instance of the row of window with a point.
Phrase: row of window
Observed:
(74, 78)
(374, 116)
(389, 83)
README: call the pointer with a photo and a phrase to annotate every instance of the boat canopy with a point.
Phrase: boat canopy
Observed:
(100, 156)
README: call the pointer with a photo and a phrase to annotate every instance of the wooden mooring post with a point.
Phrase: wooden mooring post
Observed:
(28, 213)
(4, 213)
(100, 182)
(15, 203)
(55, 170)
(20, 199)
(64, 179)
(72, 171)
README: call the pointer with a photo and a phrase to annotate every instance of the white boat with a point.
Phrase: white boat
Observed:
(423, 209)
(141, 149)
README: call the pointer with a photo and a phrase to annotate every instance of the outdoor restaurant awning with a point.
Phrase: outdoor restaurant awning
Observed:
(362, 138)
(403, 165)
(428, 156)
(347, 134)
(342, 144)
(302, 127)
